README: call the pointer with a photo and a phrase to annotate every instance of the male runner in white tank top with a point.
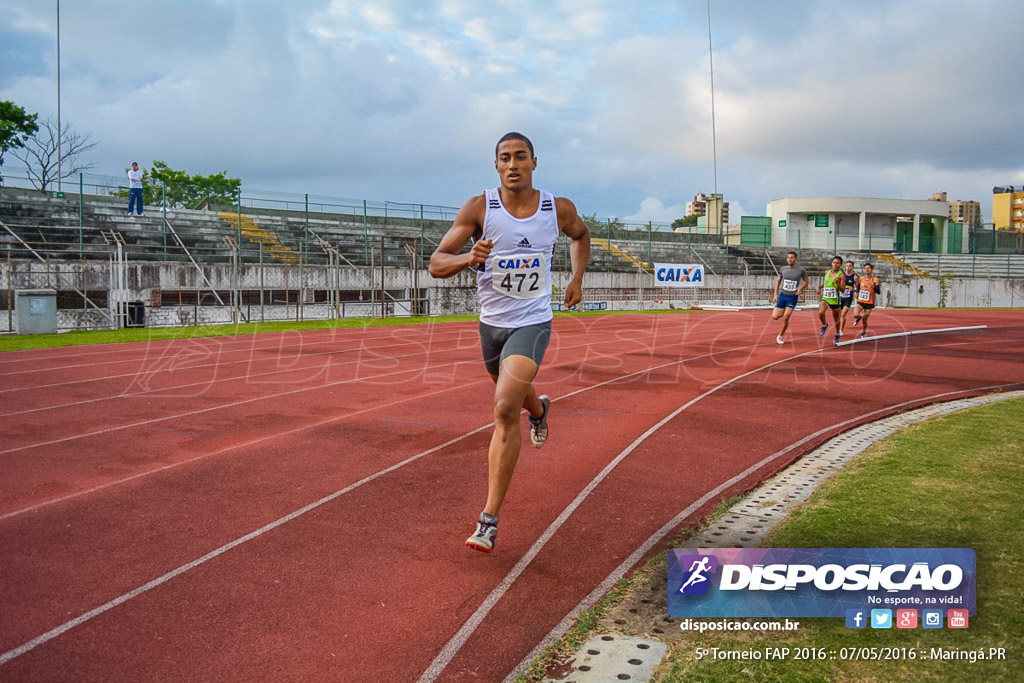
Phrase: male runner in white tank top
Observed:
(514, 228)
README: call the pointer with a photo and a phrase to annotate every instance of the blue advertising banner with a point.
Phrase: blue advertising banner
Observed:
(817, 582)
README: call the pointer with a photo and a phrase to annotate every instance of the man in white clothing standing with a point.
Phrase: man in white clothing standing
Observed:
(514, 229)
(135, 189)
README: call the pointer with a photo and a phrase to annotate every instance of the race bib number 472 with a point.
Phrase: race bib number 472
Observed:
(520, 276)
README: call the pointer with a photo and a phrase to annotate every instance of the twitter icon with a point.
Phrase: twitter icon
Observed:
(881, 618)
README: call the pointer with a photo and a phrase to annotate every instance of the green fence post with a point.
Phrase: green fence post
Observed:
(974, 251)
(650, 227)
(81, 212)
(163, 210)
(366, 248)
(419, 252)
(239, 216)
(609, 232)
(869, 243)
(798, 233)
(1008, 252)
(305, 230)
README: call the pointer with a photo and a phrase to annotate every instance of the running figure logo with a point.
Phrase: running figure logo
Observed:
(698, 568)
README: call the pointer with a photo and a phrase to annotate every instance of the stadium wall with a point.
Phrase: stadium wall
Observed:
(173, 294)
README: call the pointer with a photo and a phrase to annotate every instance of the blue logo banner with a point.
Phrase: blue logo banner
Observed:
(817, 582)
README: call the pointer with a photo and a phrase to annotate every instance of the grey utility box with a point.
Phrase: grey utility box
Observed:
(35, 311)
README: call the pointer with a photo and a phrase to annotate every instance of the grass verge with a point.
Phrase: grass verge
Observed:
(954, 482)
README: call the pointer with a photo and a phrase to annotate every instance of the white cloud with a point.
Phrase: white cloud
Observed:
(401, 100)
(653, 209)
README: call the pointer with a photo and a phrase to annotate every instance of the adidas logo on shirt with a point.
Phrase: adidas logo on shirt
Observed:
(524, 243)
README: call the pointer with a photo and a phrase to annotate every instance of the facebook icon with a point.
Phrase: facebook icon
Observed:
(856, 618)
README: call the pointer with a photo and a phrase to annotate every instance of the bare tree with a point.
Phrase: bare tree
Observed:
(41, 158)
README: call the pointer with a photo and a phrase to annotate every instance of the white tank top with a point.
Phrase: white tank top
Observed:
(515, 282)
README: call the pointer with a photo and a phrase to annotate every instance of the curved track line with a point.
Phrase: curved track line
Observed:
(452, 647)
(246, 401)
(362, 346)
(218, 363)
(87, 616)
(332, 366)
(338, 418)
(586, 603)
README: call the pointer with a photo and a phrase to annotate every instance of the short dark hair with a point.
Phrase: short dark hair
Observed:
(849, 263)
(791, 252)
(837, 258)
(868, 265)
(514, 136)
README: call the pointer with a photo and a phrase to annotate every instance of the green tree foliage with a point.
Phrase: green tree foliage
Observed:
(184, 190)
(689, 221)
(16, 127)
(598, 226)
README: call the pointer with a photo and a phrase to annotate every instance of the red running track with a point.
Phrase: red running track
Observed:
(293, 506)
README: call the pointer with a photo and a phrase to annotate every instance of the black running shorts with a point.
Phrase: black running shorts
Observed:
(498, 343)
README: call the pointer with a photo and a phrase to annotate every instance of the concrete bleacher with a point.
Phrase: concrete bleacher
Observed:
(61, 227)
(967, 265)
(52, 226)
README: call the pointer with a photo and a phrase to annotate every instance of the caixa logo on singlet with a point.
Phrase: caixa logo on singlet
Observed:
(513, 263)
(816, 582)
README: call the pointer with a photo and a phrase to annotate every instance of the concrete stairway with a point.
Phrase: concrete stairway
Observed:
(253, 233)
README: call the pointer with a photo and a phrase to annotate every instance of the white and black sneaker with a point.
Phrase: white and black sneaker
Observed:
(486, 534)
(539, 426)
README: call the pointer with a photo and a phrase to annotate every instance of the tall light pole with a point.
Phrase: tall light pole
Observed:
(58, 99)
(711, 63)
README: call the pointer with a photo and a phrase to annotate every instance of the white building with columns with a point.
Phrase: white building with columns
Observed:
(843, 223)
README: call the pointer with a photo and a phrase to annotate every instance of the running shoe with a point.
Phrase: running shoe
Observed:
(863, 335)
(539, 426)
(780, 340)
(486, 534)
(856, 321)
(821, 332)
(836, 339)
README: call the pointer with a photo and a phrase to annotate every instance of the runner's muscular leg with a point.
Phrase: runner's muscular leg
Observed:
(513, 388)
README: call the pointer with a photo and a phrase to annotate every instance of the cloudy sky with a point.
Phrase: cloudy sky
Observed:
(403, 100)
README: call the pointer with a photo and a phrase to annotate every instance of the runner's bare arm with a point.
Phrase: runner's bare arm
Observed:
(802, 287)
(446, 260)
(775, 291)
(575, 229)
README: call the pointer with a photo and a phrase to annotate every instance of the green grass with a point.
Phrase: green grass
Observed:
(42, 341)
(955, 481)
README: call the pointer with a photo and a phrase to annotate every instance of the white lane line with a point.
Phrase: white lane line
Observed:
(602, 588)
(158, 357)
(234, 404)
(77, 621)
(909, 333)
(331, 420)
(163, 346)
(452, 647)
(328, 367)
(169, 354)
(247, 340)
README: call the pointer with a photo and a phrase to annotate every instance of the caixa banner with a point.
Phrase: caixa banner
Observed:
(816, 582)
(678, 275)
